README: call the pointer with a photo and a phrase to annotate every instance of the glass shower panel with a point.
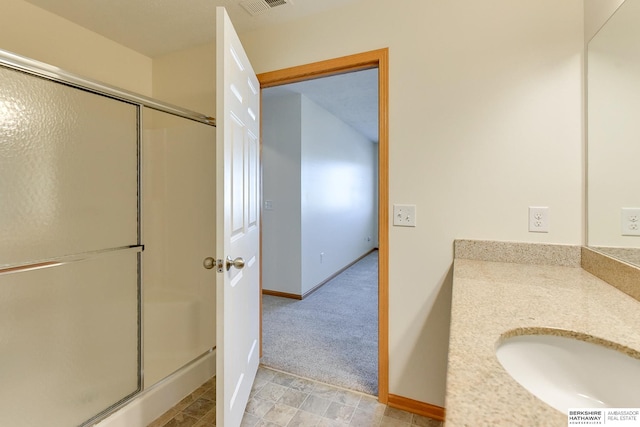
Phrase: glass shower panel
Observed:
(68, 340)
(69, 258)
(68, 170)
(178, 183)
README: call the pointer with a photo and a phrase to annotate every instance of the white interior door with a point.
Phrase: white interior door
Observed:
(238, 287)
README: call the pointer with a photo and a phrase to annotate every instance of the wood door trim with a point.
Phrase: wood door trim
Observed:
(357, 62)
(281, 294)
(417, 407)
(361, 61)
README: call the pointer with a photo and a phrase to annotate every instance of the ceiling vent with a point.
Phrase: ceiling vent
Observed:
(257, 7)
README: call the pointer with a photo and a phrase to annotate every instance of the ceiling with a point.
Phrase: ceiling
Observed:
(353, 97)
(157, 27)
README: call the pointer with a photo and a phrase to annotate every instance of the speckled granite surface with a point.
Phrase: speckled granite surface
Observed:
(491, 299)
(518, 252)
(622, 275)
(628, 255)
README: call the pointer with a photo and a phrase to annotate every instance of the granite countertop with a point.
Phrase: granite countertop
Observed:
(491, 299)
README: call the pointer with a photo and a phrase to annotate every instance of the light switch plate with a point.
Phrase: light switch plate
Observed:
(404, 215)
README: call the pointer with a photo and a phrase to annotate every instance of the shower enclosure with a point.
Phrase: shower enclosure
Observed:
(102, 289)
(179, 233)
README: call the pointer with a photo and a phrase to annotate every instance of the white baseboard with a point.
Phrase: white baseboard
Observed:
(157, 400)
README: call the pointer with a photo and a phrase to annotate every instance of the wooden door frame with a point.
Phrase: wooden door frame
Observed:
(367, 60)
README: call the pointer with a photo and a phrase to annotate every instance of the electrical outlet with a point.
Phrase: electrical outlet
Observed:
(630, 221)
(538, 219)
(404, 215)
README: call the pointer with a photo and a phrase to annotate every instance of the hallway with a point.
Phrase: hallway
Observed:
(332, 335)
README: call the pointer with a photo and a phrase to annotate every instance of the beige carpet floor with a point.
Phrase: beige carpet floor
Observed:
(332, 335)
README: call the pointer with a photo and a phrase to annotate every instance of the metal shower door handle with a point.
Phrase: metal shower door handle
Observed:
(237, 263)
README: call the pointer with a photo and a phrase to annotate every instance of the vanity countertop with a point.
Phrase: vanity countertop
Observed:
(494, 298)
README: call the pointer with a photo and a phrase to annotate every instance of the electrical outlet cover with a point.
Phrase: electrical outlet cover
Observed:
(630, 221)
(538, 219)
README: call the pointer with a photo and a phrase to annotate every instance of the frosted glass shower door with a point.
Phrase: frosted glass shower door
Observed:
(68, 340)
(70, 253)
(68, 170)
(178, 183)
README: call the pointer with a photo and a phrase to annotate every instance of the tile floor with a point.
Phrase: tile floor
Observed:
(283, 400)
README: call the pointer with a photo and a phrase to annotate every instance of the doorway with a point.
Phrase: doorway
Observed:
(369, 60)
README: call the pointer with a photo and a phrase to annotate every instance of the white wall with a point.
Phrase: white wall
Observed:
(35, 33)
(485, 120)
(281, 171)
(187, 78)
(338, 203)
(614, 129)
(319, 176)
(596, 13)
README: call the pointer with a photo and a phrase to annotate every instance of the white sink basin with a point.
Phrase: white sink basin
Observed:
(570, 373)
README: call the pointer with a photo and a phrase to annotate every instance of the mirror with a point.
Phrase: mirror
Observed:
(613, 120)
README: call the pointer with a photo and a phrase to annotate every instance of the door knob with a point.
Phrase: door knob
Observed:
(209, 263)
(237, 263)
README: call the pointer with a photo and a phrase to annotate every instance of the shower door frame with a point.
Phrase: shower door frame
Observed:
(41, 69)
(36, 68)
